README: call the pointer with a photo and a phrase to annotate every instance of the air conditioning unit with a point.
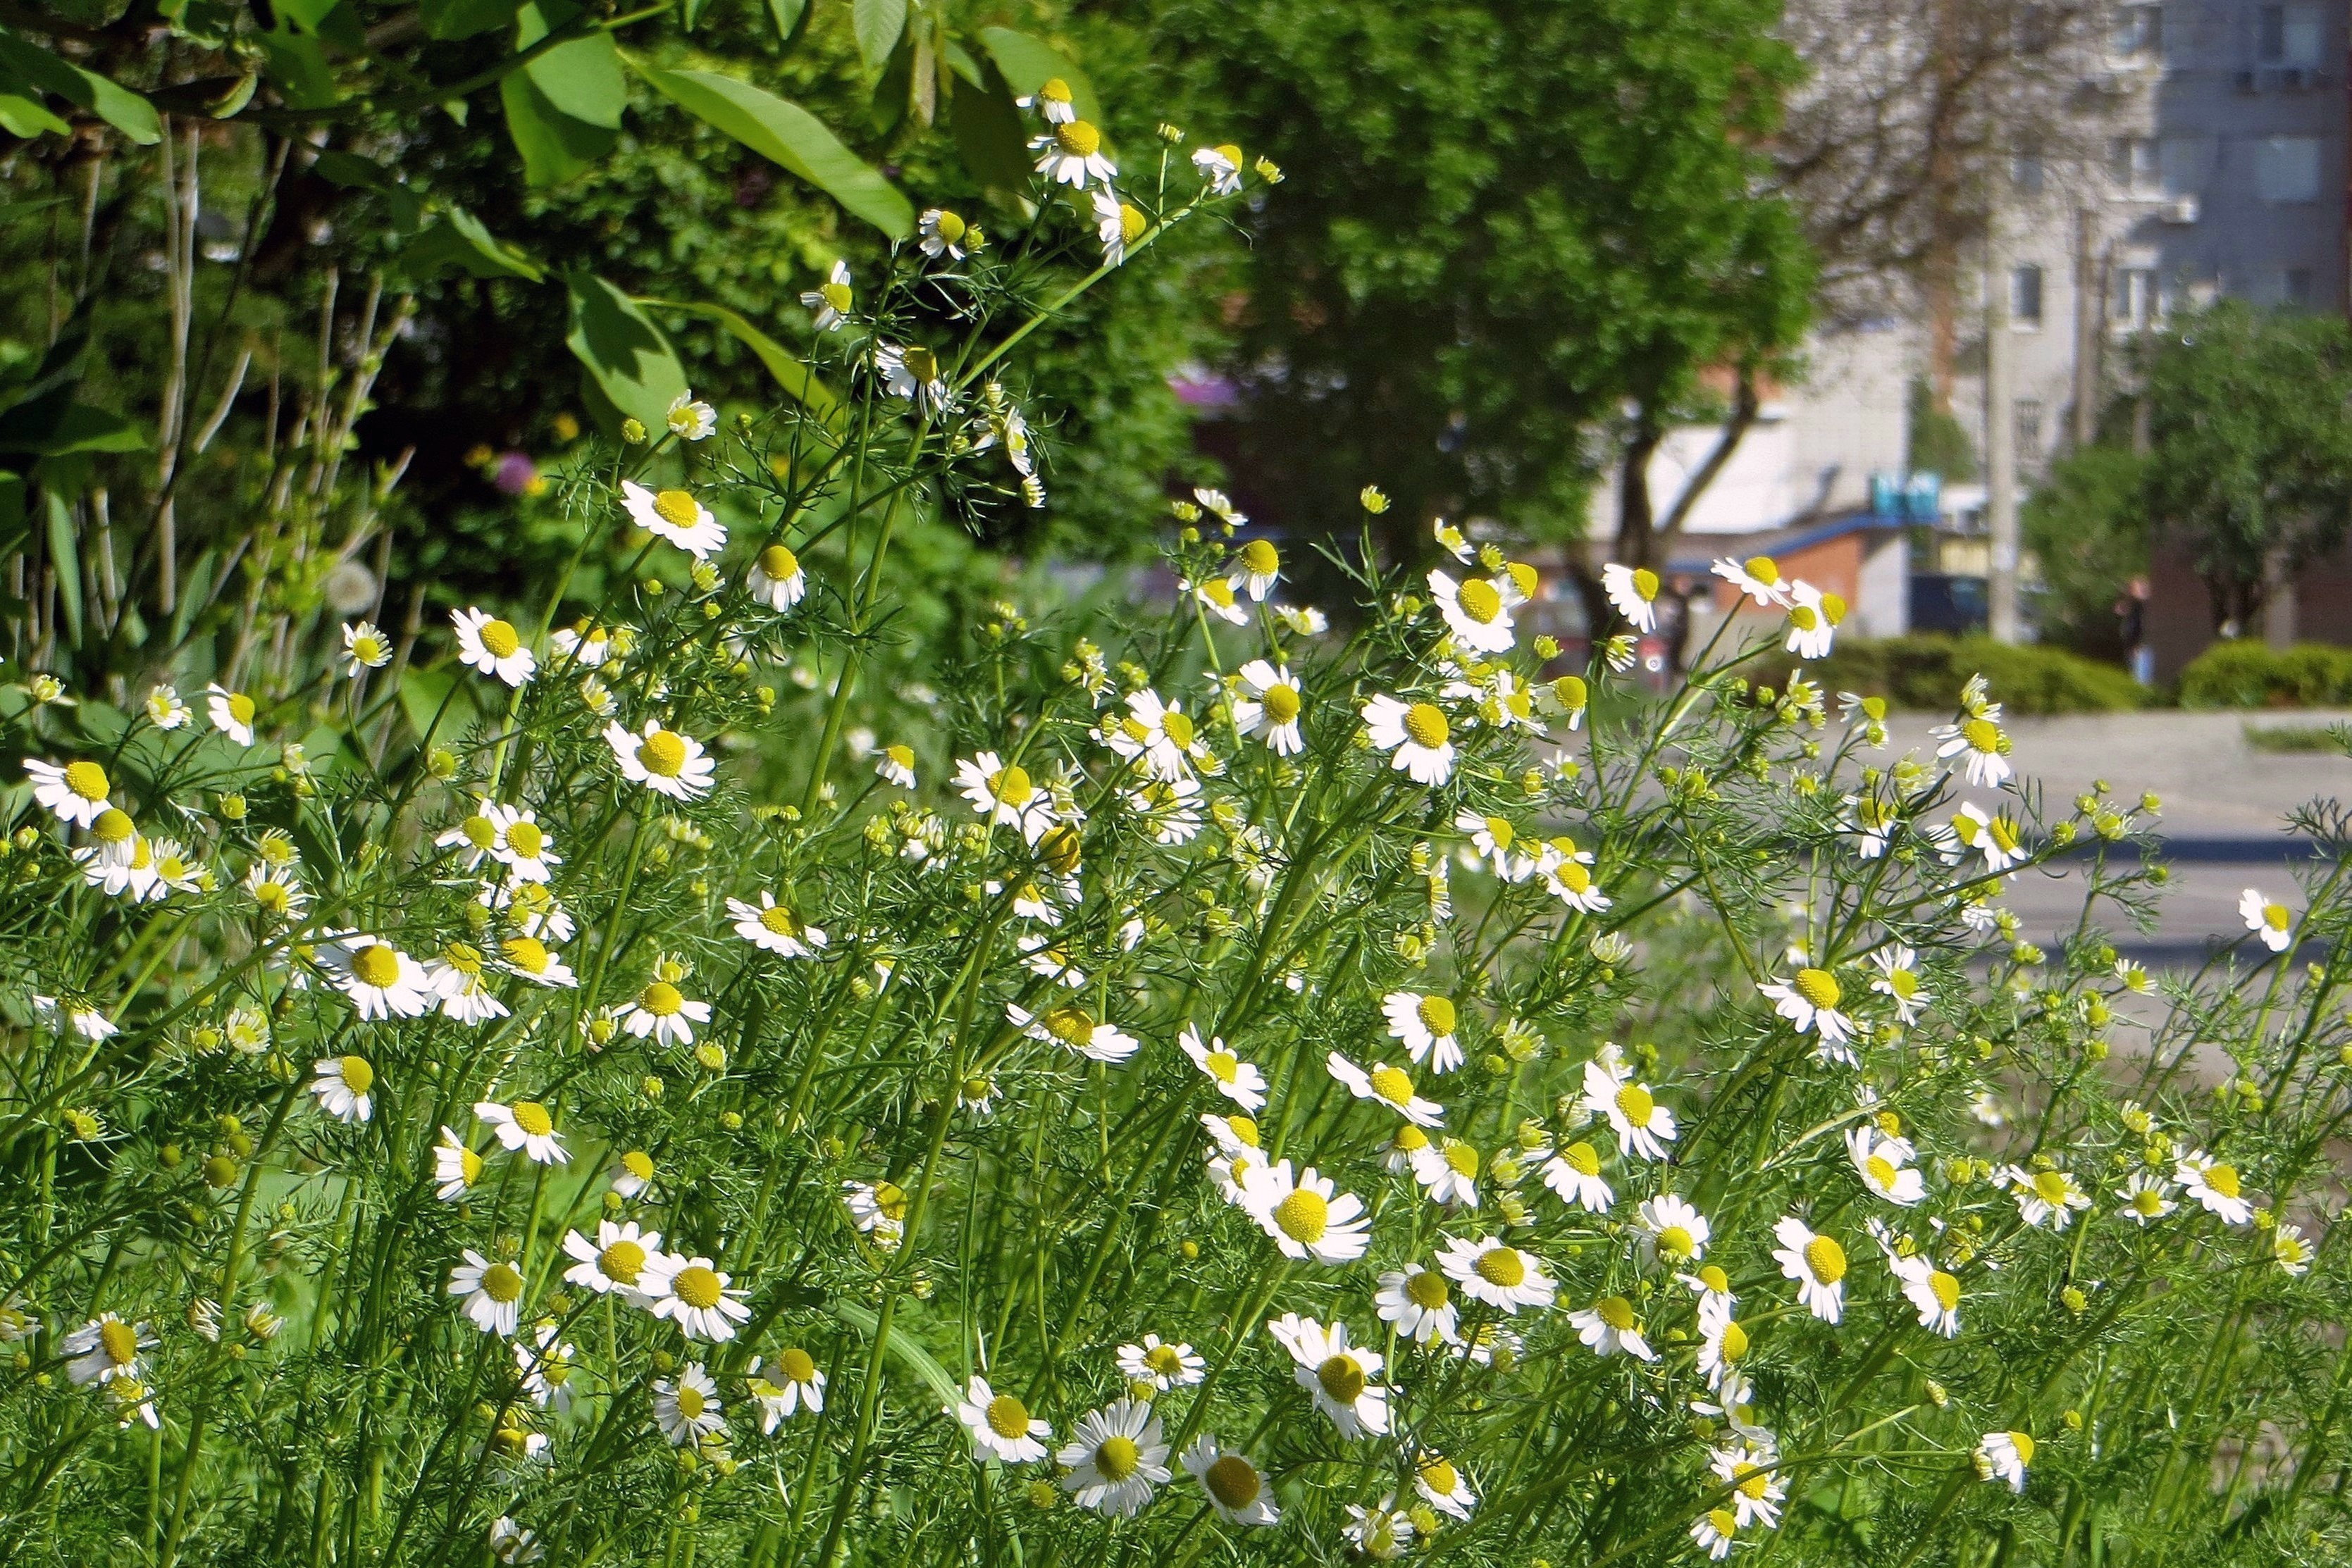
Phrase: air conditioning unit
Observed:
(2179, 210)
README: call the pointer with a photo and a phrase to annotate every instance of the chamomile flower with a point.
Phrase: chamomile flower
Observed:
(1306, 1216)
(166, 709)
(1810, 1000)
(1980, 745)
(663, 761)
(2274, 922)
(688, 1410)
(1499, 1275)
(1812, 621)
(1817, 1263)
(1995, 837)
(1884, 1165)
(546, 1367)
(1449, 539)
(1442, 1486)
(1418, 1304)
(523, 846)
(941, 233)
(2005, 1456)
(1000, 1425)
(1115, 1456)
(1004, 794)
(1565, 872)
(831, 299)
(525, 1124)
(696, 1297)
(632, 1173)
(1673, 1232)
(913, 372)
(366, 646)
(1643, 1128)
(585, 644)
(1215, 596)
(1574, 1173)
(689, 420)
(1474, 612)
(2291, 1251)
(1388, 1085)
(1634, 591)
(1220, 167)
(674, 516)
(475, 837)
(1117, 224)
(344, 1086)
(1053, 102)
(1495, 840)
(1302, 620)
(878, 1208)
(491, 1293)
(1378, 1534)
(1715, 1531)
(777, 579)
(1238, 1493)
(1426, 1024)
(105, 1347)
(1567, 697)
(76, 792)
(775, 927)
(456, 1167)
(1898, 980)
(1608, 1327)
(1723, 1341)
(1070, 154)
(2047, 1196)
(2214, 1187)
(1074, 1028)
(2147, 1198)
(1161, 1364)
(1161, 732)
(1237, 1080)
(1274, 704)
(1337, 1376)
(1448, 1171)
(232, 713)
(63, 1014)
(1418, 737)
(530, 958)
(1258, 567)
(664, 1012)
(492, 645)
(1873, 822)
(894, 763)
(784, 1386)
(1757, 576)
(1933, 1293)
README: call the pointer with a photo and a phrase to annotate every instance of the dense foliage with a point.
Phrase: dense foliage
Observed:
(2243, 672)
(1921, 671)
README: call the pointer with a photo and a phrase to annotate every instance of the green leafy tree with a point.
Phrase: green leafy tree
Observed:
(2087, 528)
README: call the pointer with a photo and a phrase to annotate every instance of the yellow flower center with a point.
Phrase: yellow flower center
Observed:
(1503, 1266)
(2051, 1187)
(2275, 916)
(240, 707)
(1410, 1139)
(679, 508)
(1946, 1287)
(1616, 1312)
(1074, 1027)
(638, 1164)
(1676, 1242)
(501, 638)
(502, 1282)
(1462, 1159)
(1008, 1418)
(1178, 729)
(358, 1076)
(113, 826)
(1636, 1105)
(797, 1365)
(661, 999)
(836, 295)
(1982, 733)
(1479, 601)
(274, 897)
(922, 364)
(1903, 983)
(778, 564)
(2025, 1446)
(1163, 1360)
(947, 226)
(87, 779)
(1436, 1015)
(1826, 1258)
(1833, 607)
(1733, 1346)
(2222, 1179)
(689, 1401)
(1219, 593)
(1818, 987)
(662, 753)
(1131, 223)
(1582, 1158)
(527, 954)
(526, 839)
(1645, 584)
(1283, 704)
(1574, 877)
(1303, 1216)
(1224, 1066)
(780, 920)
(696, 1286)
(1802, 618)
(2003, 833)
(1724, 1521)
(1342, 1379)
(1260, 558)
(1763, 570)
(1715, 1279)
(1393, 1084)
(1442, 1477)
(892, 1199)
(2148, 1201)
(1077, 138)
(1056, 90)
(1881, 1169)
(1116, 1459)
(1243, 1128)
(533, 1118)
(1010, 785)
(1233, 1482)
(470, 1165)
(1428, 1290)
(622, 1262)
(120, 1339)
(1426, 724)
(1570, 691)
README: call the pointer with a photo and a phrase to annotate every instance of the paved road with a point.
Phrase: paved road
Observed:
(2224, 820)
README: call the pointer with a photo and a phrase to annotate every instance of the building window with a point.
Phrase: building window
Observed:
(2025, 170)
(2132, 300)
(2287, 35)
(2025, 295)
(2028, 427)
(2286, 168)
(2294, 287)
(2138, 33)
(2137, 165)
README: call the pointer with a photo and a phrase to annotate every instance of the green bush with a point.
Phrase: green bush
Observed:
(2249, 674)
(1925, 672)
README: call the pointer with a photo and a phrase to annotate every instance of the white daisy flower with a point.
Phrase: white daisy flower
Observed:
(1388, 1085)
(1303, 619)
(1812, 621)
(456, 1167)
(1643, 1128)
(1756, 1492)
(585, 644)
(912, 372)
(1378, 1534)
(878, 1208)
(2005, 1456)
(526, 1125)
(2147, 1196)
(72, 1014)
(1722, 1339)
(1274, 704)
(75, 793)
(1499, 1275)
(664, 1012)
(105, 1347)
(1215, 596)
(688, 1410)
(366, 646)
(2274, 922)
(166, 709)
(2214, 1187)
(1237, 1080)
(1071, 154)
(1873, 821)
(1808, 1001)
(1053, 102)
(696, 1297)
(1418, 1304)
(529, 958)
(1220, 167)
(2044, 1195)
(1004, 794)
(1074, 1028)
(491, 1293)
(1258, 567)
(1161, 1364)
(1307, 1216)
(1817, 1263)
(1418, 737)
(1757, 576)
(689, 420)
(2290, 1251)
(232, 713)
(1426, 1025)
(894, 763)
(492, 646)
(475, 837)
(634, 1173)
(546, 1367)
(1160, 732)
(1494, 840)
(1608, 1327)
(1449, 539)
(1448, 1171)
(1715, 1531)
(1336, 1375)
(674, 516)
(1933, 1293)
(344, 1086)
(1238, 1493)
(1574, 1173)
(1474, 611)
(796, 1383)
(511, 1545)
(1995, 837)
(622, 1258)
(1115, 1456)
(1981, 745)
(1442, 1486)
(1898, 979)
(1567, 697)
(663, 761)
(1117, 224)
(1000, 1425)
(831, 298)
(1884, 1165)
(774, 927)
(1672, 1231)
(777, 579)
(1565, 872)
(1634, 591)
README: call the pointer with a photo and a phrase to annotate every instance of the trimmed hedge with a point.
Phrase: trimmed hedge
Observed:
(2246, 673)
(1926, 672)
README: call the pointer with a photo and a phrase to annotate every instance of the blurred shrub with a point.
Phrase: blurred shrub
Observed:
(2250, 674)
(1926, 672)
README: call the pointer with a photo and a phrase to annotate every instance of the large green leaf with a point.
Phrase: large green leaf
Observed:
(64, 555)
(460, 240)
(26, 117)
(427, 696)
(902, 1348)
(449, 19)
(118, 106)
(787, 134)
(989, 133)
(584, 79)
(298, 66)
(627, 358)
(800, 383)
(555, 146)
(880, 24)
(52, 427)
(790, 16)
(1029, 63)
